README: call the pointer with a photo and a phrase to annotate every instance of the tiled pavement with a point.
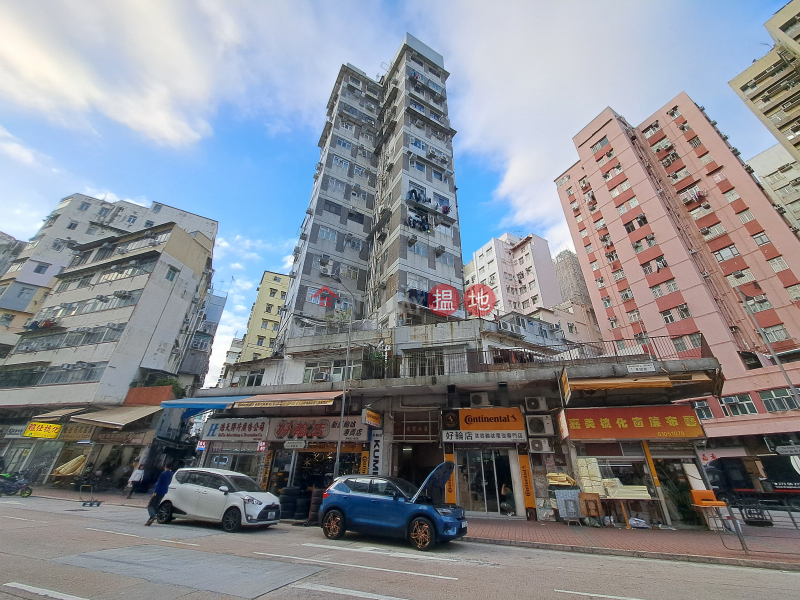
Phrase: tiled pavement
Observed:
(767, 544)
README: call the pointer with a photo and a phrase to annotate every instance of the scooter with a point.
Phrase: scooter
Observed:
(14, 484)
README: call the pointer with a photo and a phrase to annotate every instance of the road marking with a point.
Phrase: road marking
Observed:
(328, 562)
(343, 591)
(11, 502)
(42, 591)
(21, 519)
(379, 552)
(142, 537)
(596, 595)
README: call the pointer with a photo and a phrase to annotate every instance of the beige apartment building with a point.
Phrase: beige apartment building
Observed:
(265, 317)
(769, 86)
(779, 174)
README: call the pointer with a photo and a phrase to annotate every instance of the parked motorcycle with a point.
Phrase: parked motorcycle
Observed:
(14, 484)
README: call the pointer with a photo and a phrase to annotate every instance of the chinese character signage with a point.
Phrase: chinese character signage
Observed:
(48, 431)
(370, 417)
(479, 300)
(633, 423)
(236, 430)
(76, 432)
(483, 425)
(443, 300)
(317, 429)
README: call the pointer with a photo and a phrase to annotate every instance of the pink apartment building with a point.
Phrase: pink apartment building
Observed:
(670, 226)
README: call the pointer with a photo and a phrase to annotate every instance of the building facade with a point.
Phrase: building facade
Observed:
(779, 175)
(675, 236)
(265, 316)
(767, 87)
(383, 214)
(570, 277)
(519, 271)
(575, 320)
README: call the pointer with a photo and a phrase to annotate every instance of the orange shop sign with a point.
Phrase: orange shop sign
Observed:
(633, 423)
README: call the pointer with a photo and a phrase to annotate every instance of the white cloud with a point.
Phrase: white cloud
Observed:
(287, 263)
(14, 149)
(236, 266)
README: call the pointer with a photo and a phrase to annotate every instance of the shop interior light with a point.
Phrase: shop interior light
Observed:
(407, 448)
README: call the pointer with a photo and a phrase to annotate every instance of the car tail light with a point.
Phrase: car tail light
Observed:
(325, 494)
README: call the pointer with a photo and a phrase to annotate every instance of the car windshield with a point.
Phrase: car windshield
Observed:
(406, 488)
(242, 483)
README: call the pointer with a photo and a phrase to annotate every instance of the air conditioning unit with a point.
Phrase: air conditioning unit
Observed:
(738, 274)
(187, 321)
(706, 205)
(412, 240)
(704, 231)
(535, 404)
(439, 250)
(478, 399)
(322, 377)
(539, 445)
(152, 243)
(382, 234)
(122, 250)
(122, 294)
(324, 260)
(324, 270)
(80, 329)
(539, 424)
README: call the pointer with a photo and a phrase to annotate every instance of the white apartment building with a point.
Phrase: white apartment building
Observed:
(383, 214)
(519, 270)
(575, 320)
(779, 174)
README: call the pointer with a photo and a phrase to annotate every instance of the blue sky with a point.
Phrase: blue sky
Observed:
(217, 107)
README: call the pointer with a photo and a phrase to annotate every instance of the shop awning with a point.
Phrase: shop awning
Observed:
(57, 414)
(627, 383)
(116, 418)
(284, 400)
(204, 403)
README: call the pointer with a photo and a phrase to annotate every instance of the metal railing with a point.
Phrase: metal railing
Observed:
(425, 362)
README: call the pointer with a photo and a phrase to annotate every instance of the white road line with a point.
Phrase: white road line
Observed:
(42, 591)
(11, 502)
(328, 562)
(378, 551)
(587, 594)
(343, 591)
(21, 519)
(142, 537)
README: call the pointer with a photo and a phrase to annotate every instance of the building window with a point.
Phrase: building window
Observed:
(171, 273)
(103, 212)
(260, 341)
(417, 106)
(647, 267)
(680, 344)
(359, 171)
(6, 319)
(438, 175)
(738, 278)
(272, 343)
(702, 410)
(336, 185)
(355, 216)
(619, 274)
(776, 333)
(132, 219)
(759, 303)
(668, 316)
(26, 293)
(63, 285)
(348, 126)
(85, 281)
(600, 224)
(778, 264)
(778, 400)
(726, 253)
(156, 207)
(149, 224)
(652, 130)
(740, 404)
(276, 278)
(794, 292)
(602, 143)
(634, 316)
(579, 219)
(419, 249)
(657, 291)
(683, 312)
(588, 248)
(761, 238)
(595, 265)
(626, 294)
(72, 225)
(620, 188)
(607, 301)
(264, 324)
(84, 206)
(418, 166)
(275, 327)
(269, 308)
(40, 268)
(256, 356)
(714, 231)
(326, 233)
(695, 142)
(701, 211)
(731, 195)
(745, 216)
(360, 195)
(344, 144)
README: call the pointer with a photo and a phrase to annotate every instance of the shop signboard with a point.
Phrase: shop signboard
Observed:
(295, 445)
(375, 451)
(48, 431)
(788, 450)
(76, 432)
(527, 481)
(262, 446)
(236, 430)
(128, 438)
(201, 445)
(317, 429)
(566, 392)
(450, 486)
(15, 432)
(642, 368)
(633, 423)
(483, 425)
(706, 456)
(371, 418)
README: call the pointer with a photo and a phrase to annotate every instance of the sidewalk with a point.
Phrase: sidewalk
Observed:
(686, 545)
(114, 497)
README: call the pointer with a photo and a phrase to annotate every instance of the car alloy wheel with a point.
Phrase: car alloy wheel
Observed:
(421, 534)
(232, 520)
(164, 513)
(333, 525)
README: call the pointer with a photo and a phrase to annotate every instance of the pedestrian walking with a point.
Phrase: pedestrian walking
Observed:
(162, 486)
(135, 479)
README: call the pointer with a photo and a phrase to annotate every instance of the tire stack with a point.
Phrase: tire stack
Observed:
(288, 500)
(301, 508)
(316, 502)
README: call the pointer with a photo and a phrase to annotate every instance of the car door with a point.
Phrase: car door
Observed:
(387, 507)
(358, 503)
(186, 495)
(211, 501)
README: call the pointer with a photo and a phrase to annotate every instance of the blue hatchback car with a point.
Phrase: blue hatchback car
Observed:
(393, 507)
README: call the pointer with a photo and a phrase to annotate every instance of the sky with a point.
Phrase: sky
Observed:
(217, 107)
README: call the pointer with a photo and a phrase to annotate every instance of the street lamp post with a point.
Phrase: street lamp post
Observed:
(346, 377)
(792, 389)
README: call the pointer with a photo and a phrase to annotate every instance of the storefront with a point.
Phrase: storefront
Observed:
(72, 459)
(235, 444)
(17, 448)
(484, 444)
(640, 461)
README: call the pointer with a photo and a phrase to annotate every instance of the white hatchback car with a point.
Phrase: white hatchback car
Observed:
(220, 496)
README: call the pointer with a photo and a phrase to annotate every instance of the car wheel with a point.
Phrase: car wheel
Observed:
(422, 534)
(164, 515)
(794, 503)
(232, 520)
(333, 525)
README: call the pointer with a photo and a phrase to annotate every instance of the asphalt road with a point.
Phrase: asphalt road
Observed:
(59, 550)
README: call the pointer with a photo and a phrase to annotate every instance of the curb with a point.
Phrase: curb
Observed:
(693, 558)
(109, 502)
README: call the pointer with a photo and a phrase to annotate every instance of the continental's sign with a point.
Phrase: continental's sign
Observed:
(483, 419)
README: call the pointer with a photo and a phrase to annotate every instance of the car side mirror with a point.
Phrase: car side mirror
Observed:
(223, 489)
(396, 495)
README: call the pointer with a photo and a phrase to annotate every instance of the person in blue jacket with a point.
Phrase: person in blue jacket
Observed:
(162, 486)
